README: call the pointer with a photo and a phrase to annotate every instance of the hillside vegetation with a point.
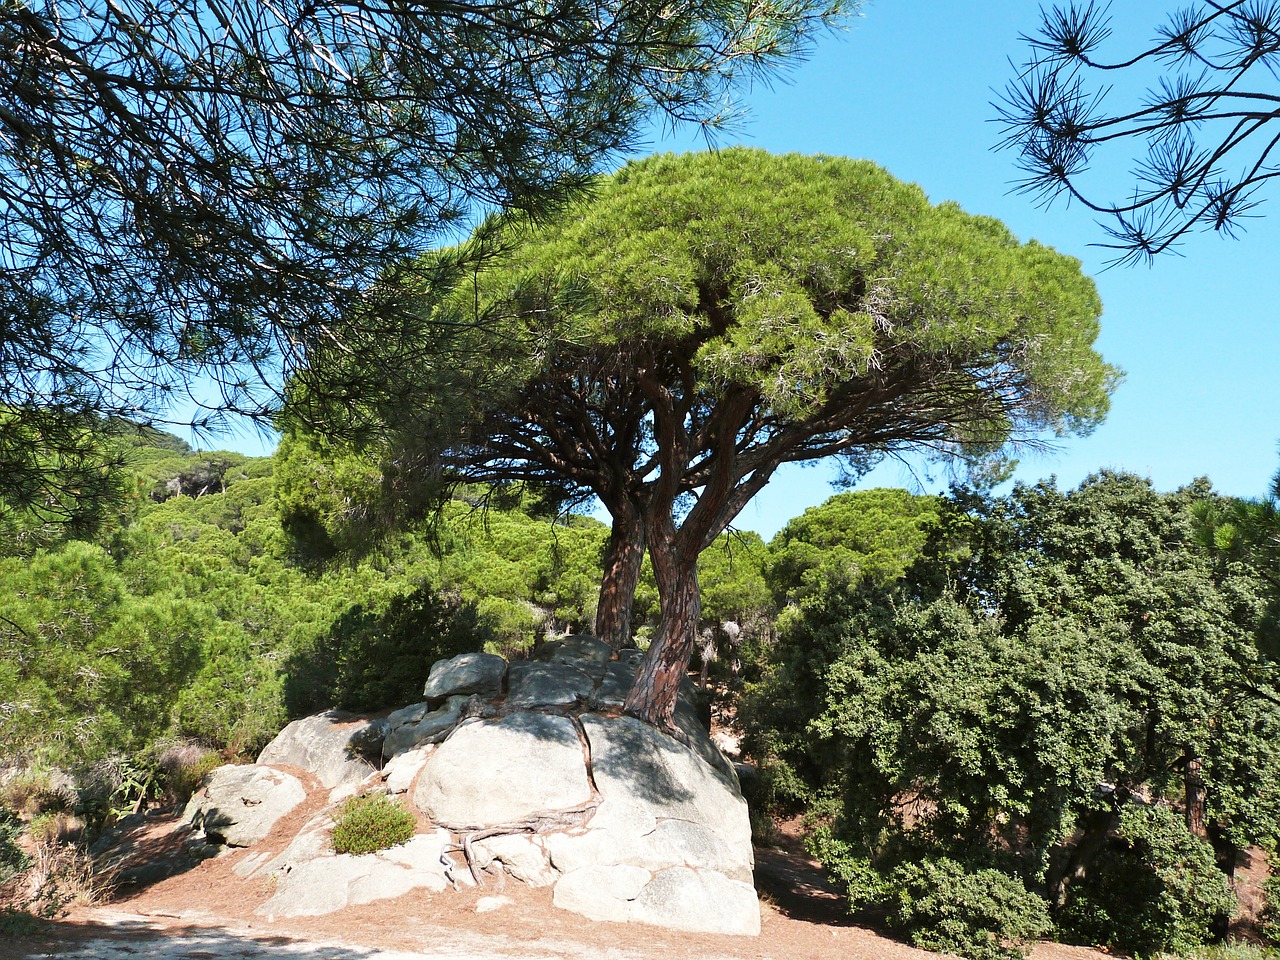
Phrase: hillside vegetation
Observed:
(1002, 717)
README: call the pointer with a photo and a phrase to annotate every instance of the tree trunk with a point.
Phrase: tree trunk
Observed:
(653, 694)
(1195, 797)
(623, 557)
(1072, 862)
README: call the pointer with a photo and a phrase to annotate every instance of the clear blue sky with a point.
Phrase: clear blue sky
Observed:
(910, 86)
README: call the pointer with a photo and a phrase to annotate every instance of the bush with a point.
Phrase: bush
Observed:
(1269, 922)
(35, 791)
(369, 660)
(12, 860)
(864, 884)
(182, 767)
(371, 823)
(61, 875)
(1155, 889)
(984, 915)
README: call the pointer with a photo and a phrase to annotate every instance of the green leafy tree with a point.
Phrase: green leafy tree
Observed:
(368, 661)
(1246, 534)
(703, 319)
(1203, 95)
(860, 535)
(194, 192)
(1016, 705)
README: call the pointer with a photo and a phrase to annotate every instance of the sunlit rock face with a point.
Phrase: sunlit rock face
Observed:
(528, 771)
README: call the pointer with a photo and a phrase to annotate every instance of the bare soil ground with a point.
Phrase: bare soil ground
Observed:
(207, 913)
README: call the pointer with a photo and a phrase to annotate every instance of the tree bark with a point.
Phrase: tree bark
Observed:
(623, 558)
(1195, 797)
(652, 697)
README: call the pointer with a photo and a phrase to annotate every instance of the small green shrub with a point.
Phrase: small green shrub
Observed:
(18, 924)
(35, 791)
(182, 768)
(1234, 950)
(864, 884)
(983, 915)
(371, 823)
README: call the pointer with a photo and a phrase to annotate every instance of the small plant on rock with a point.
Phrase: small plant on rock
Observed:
(370, 823)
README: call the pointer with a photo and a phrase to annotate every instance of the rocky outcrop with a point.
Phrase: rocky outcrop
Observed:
(504, 770)
(332, 746)
(470, 673)
(328, 883)
(238, 805)
(417, 725)
(530, 772)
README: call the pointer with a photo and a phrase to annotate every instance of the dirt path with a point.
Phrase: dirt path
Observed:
(207, 913)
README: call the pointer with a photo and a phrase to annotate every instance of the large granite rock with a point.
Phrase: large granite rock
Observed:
(328, 883)
(494, 772)
(519, 779)
(479, 673)
(239, 805)
(329, 745)
(532, 685)
(579, 649)
(419, 725)
(665, 778)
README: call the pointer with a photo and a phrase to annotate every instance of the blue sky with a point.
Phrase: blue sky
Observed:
(910, 86)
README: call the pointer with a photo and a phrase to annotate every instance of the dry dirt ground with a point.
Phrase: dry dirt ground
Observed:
(207, 913)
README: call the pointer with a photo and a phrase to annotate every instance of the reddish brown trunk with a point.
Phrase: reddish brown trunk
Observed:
(653, 694)
(622, 560)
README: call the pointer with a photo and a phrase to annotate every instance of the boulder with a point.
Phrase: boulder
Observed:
(238, 805)
(314, 840)
(494, 772)
(489, 904)
(479, 673)
(688, 718)
(665, 778)
(556, 684)
(325, 884)
(601, 893)
(629, 835)
(403, 769)
(630, 656)
(522, 856)
(328, 745)
(615, 684)
(576, 648)
(700, 901)
(417, 725)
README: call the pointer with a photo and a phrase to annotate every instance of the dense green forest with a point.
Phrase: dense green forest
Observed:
(1046, 713)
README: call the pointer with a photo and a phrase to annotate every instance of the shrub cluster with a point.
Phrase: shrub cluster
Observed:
(1025, 725)
(982, 914)
(370, 823)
